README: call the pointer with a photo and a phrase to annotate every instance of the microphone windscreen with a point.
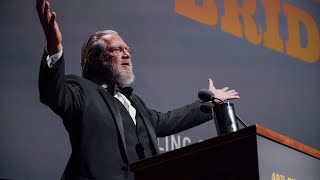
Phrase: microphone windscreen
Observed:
(205, 95)
(206, 107)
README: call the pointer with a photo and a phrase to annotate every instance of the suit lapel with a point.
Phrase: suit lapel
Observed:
(147, 122)
(114, 109)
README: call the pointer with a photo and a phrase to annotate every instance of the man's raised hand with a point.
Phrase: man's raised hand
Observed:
(50, 27)
(224, 93)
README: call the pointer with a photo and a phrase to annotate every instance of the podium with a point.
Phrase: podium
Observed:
(253, 153)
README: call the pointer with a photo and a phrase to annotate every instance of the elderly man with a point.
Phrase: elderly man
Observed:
(109, 127)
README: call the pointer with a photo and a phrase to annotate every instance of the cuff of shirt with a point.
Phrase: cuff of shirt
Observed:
(51, 60)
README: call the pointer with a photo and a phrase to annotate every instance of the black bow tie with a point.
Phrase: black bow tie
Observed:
(114, 89)
(126, 91)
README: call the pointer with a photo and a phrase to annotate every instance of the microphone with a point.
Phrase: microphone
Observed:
(206, 107)
(206, 95)
(225, 116)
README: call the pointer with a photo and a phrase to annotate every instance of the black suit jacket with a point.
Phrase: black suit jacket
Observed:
(94, 124)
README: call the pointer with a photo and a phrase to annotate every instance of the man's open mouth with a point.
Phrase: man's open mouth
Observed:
(125, 64)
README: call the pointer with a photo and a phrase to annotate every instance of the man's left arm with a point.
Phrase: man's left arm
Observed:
(188, 116)
(179, 119)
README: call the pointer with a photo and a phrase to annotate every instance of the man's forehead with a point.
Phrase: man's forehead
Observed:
(113, 39)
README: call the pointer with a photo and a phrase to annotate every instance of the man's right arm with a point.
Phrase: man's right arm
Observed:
(62, 97)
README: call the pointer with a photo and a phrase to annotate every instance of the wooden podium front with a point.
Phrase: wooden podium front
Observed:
(253, 153)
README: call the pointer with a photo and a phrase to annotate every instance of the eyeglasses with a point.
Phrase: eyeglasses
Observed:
(115, 51)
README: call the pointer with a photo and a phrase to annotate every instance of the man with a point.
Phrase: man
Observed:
(109, 127)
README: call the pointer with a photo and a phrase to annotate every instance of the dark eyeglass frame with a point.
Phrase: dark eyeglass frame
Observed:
(119, 50)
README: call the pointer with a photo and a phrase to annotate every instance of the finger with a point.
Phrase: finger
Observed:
(40, 10)
(40, 6)
(47, 12)
(211, 86)
(233, 97)
(232, 92)
(225, 89)
(210, 83)
(53, 19)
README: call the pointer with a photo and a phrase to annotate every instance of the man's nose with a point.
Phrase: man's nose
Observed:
(126, 53)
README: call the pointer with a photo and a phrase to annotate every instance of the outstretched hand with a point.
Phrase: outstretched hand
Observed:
(50, 27)
(224, 93)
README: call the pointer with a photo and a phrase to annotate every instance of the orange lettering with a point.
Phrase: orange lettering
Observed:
(272, 37)
(230, 22)
(295, 17)
(206, 14)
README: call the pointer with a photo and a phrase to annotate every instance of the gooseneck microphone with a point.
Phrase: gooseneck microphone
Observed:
(206, 96)
(224, 116)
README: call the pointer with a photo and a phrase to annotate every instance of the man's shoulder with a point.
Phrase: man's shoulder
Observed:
(137, 99)
(73, 77)
(135, 96)
(81, 81)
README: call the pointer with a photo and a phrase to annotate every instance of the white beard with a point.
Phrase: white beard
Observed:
(119, 76)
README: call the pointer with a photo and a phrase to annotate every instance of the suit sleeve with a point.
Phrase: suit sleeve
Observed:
(63, 97)
(177, 120)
